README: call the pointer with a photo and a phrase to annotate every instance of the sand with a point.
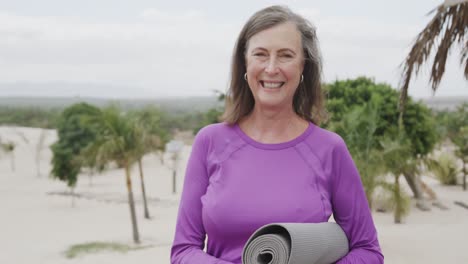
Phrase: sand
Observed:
(38, 222)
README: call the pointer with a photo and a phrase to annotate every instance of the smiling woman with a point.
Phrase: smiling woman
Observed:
(269, 161)
(275, 63)
(285, 45)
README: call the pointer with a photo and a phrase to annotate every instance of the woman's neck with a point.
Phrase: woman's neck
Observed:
(269, 126)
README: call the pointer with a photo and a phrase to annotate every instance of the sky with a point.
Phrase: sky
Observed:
(151, 49)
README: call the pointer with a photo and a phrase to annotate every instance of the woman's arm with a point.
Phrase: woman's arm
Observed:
(351, 210)
(188, 244)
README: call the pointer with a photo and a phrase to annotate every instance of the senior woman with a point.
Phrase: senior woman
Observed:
(269, 161)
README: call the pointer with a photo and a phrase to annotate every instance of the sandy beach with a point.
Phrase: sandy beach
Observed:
(38, 223)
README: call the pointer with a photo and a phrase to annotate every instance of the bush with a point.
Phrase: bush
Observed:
(444, 168)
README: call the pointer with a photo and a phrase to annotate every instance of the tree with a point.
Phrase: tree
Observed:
(90, 163)
(449, 26)
(212, 115)
(344, 95)
(374, 156)
(398, 160)
(152, 138)
(73, 137)
(117, 141)
(358, 128)
(29, 116)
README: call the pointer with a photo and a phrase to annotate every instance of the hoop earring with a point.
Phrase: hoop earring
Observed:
(302, 78)
(245, 76)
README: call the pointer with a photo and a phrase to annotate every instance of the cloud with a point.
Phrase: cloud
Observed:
(157, 15)
(183, 52)
(355, 45)
(175, 53)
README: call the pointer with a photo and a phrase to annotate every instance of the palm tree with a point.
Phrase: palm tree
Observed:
(398, 160)
(90, 162)
(151, 138)
(146, 143)
(449, 26)
(116, 141)
(358, 129)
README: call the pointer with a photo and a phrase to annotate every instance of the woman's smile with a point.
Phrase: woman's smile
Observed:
(271, 85)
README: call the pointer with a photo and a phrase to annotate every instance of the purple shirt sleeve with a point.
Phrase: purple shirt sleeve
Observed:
(188, 244)
(351, 210)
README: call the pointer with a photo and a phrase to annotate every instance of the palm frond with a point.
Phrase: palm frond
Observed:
(464, 58)
(448, 26)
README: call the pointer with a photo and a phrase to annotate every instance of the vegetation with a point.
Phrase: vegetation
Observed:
(446, 29)
(152, 138)
(461, 140)
(29, 116)
(398, 161)
(213, 114)
(453, 126)
(73, 137)
(95, 247)
(363, 112)
(92, 137)
(375, 155)
(345, 95)
(358, 128)
(210, 117)
(117, 141)
(444, 168)
(183, 114)
(9, 148)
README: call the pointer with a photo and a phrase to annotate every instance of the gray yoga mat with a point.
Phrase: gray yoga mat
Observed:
(296, 243)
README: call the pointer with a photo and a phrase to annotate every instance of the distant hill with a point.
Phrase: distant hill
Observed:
(445, 103)
(175, 105)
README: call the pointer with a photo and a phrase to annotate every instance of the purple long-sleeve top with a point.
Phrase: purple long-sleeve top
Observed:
(234, 185)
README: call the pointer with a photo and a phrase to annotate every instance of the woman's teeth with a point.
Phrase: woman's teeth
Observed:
(272, 85)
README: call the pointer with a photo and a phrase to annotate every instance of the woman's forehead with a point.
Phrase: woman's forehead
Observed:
(281, 36)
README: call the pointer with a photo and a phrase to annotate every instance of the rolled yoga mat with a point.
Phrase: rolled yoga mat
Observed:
(296, 243)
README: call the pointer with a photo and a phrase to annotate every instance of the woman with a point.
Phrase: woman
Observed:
(269, 161)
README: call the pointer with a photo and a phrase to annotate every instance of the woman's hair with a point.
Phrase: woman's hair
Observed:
(308, 100)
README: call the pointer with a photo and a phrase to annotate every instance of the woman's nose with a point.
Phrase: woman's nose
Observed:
(272, 66)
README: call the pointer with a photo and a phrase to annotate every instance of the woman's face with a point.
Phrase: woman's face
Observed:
(275, 62)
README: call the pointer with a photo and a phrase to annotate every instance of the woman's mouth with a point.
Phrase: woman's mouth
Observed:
(271, 85)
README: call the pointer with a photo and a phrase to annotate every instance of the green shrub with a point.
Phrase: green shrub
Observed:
(444, 168)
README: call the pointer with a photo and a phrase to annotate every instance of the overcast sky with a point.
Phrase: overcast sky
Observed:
(143, 48)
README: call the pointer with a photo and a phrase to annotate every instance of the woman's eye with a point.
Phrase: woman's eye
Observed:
(286, 55)
(259, 54)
